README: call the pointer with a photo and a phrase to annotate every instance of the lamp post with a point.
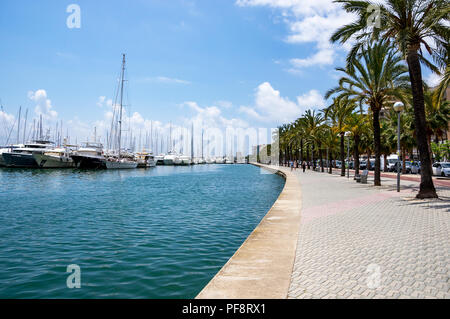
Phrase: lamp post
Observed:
(398, 107)
(348, 153)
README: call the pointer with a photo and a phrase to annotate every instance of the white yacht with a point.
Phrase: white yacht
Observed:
(172, 158)
(210, 161)
(55, 158)
(228, 160)
(159, 159)
(185, 160)
(120, 163)
(220, 160)
(145, 159)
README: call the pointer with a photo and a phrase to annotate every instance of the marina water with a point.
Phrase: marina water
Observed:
(155, 233)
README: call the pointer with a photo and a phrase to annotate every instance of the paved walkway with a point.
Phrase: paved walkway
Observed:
(358, 241)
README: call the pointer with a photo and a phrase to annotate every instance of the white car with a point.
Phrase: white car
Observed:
(442, 169)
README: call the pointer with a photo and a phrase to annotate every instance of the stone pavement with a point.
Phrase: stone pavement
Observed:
(359, 241)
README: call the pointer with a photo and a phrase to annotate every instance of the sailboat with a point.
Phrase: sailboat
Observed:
(118, 161)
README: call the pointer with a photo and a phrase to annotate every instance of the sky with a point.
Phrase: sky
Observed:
(213, 63)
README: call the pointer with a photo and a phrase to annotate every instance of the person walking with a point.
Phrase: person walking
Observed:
(291, 163)
(304, 166)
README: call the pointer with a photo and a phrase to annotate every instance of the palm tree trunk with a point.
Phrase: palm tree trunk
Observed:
(385, 169)
(321, 158)
(330, 164)
(356, 153)
(427, 189)
(301, 150)
(377, 145)
(342, 156)
(307, 156)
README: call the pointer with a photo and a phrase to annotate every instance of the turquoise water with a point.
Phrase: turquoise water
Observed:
(156, 233)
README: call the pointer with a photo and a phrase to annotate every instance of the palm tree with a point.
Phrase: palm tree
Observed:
(374, 81)
(338, 113)
(312, 123)
(330, 141)
(357, 125)
(410, 24)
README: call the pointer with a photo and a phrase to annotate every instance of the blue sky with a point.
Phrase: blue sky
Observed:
(240, 63)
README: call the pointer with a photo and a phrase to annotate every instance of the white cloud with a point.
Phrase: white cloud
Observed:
(321, 58)
(43, 104)
(211, 117)
(270, 106)
(309, 21)
(224, 104)
(102, 101)
(6, 122)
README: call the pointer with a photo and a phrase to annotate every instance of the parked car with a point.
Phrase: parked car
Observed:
(392, 164)
(408, 167)
(372, 164)
(441, 169)
(363, 165)
(415, 168)
(350, 164)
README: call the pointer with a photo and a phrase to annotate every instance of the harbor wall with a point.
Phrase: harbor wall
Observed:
(261, 268)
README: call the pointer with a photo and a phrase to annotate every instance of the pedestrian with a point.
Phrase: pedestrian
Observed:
(296, 165)
(291, 163)
(304, 166)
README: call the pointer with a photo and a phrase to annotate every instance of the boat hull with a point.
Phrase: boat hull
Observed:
(168, 162)
(86, 162)
(46, 161)
(19, 160)
(121, 165)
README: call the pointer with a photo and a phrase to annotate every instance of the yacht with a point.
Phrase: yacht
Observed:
(145, 159)
(89, 156)
(210, 161)
(22, 157)
(6, 150)
(55, 158)
(122, 160)
(185, 160)
(159, 159)
(172, 158)
(228, 161)
(220, 160)
(120, 163)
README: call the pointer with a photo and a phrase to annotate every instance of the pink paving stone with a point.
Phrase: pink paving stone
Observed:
(311, 213)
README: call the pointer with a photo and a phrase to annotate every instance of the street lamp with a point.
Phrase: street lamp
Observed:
(348, 153)
(398, 107)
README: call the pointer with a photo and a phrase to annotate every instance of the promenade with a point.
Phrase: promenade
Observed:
(329, 237)
(361, 241)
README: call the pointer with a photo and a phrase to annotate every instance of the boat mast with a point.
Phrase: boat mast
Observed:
(192, 141)
(121, 100)
(18, 126)
(25, 126)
